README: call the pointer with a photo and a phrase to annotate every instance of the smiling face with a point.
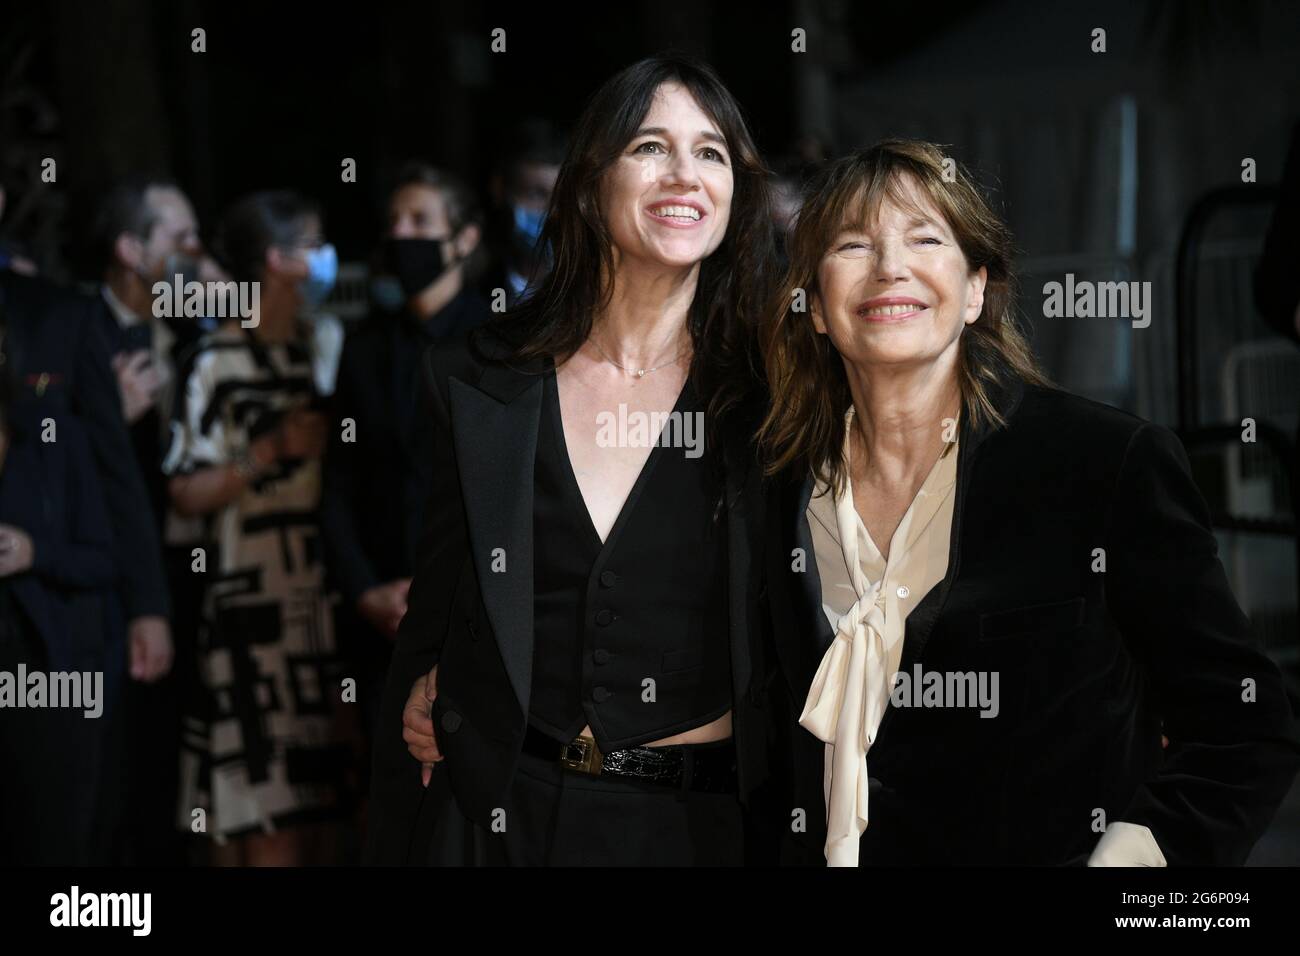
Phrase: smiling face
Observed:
(667, 198)
(896, 290)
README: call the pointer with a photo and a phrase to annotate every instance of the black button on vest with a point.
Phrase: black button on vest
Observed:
(630, 636)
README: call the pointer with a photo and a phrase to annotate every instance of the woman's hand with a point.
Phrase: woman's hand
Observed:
(302, 434)
(417, 724)
(384, 605)
(16, 552)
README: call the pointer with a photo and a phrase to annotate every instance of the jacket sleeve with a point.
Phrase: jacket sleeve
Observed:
(137, 544)
(444, 546)
(340, 505)
(1232, 749)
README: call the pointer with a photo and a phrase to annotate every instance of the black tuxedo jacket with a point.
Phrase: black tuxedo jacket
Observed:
(59, 350)
(1092, 664)
(477, 625)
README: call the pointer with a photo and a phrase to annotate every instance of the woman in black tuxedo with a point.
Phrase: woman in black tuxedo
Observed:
(576, 670)
(990, 597)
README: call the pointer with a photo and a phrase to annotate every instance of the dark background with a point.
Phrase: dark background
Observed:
(1096, 159)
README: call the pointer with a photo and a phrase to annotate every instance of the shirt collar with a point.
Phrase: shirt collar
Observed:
(124, 316)
(938, 483)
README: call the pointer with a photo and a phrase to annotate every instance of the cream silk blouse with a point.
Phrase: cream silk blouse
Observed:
(866, 598)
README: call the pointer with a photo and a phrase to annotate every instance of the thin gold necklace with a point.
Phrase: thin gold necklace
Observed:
(638, 372)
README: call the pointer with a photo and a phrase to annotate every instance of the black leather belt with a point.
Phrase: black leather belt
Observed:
(705, 768)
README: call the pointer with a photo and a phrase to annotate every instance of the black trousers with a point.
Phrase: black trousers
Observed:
(150, 734)
(555, 817)
(47, 762)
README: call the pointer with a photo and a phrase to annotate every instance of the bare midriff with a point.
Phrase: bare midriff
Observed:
(714, 730)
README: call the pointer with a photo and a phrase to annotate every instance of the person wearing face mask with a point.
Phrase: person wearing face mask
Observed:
(520, 190)
(261, 742)
(325, 330)
(376, 476)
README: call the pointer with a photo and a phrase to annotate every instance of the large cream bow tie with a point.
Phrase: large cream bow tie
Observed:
(844, 708)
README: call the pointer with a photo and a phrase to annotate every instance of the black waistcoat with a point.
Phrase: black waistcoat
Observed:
(631, 634)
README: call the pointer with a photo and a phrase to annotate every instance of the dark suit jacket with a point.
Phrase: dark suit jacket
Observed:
(147, 431)
(478, 625)
(1090, 663)
(48, 489)
(376, 487)
(61, 357)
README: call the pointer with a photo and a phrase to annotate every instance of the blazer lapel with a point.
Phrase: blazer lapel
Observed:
(798, 601)
(810, 582)
(494, 426)
(920, 623)
(923, 617)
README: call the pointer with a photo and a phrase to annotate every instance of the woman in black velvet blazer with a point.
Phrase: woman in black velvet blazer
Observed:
(1082, 568)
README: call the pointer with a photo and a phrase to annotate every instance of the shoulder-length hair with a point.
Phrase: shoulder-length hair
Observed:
(556, 318)
(804, 426)
(254, 224)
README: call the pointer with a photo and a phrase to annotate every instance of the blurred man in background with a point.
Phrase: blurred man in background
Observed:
(59, 355)
(520, 190)
(144, 232)
(377, 469)
(56, 596)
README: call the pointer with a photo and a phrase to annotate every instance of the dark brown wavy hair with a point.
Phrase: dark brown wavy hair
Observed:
(804, 427)
(556, 319)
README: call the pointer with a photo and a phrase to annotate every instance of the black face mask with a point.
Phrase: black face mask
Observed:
(417, 263)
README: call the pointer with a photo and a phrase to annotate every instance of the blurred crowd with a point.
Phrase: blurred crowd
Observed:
(213, 501)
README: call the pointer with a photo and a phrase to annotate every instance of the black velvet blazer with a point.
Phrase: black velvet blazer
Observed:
(1092, 663)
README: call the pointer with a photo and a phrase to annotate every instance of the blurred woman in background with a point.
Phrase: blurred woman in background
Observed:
(261, 753)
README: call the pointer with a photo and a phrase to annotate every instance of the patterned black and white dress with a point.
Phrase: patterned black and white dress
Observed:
(260, 743)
